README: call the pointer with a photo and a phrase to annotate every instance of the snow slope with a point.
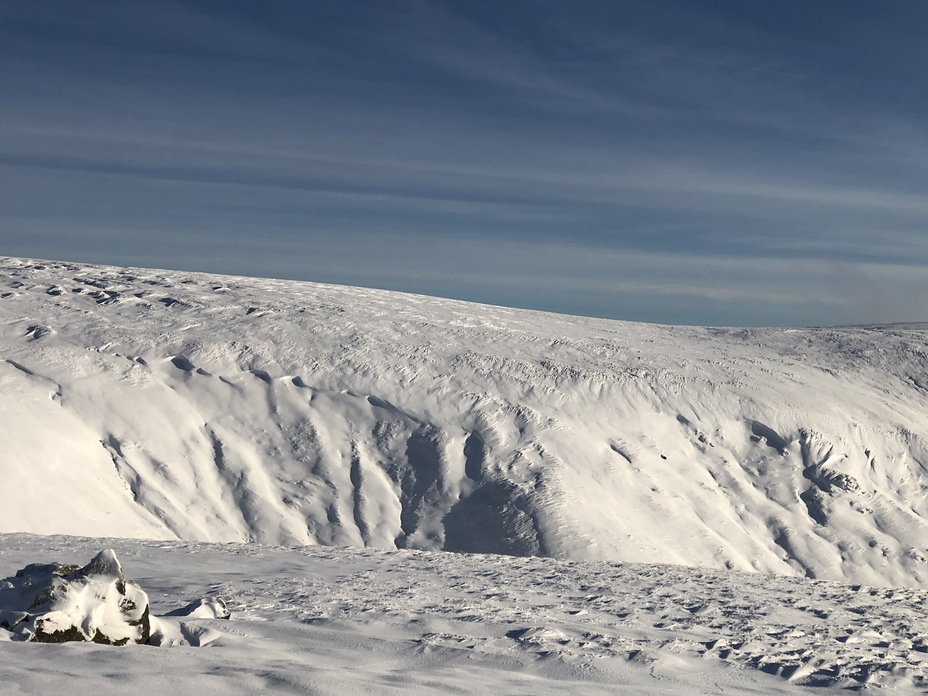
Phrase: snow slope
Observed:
(159, 404)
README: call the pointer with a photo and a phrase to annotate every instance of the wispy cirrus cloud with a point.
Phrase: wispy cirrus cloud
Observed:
(372, 144)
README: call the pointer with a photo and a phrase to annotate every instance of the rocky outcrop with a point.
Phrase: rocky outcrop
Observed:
(55, 603)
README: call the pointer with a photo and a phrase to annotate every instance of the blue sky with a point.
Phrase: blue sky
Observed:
(711, 162)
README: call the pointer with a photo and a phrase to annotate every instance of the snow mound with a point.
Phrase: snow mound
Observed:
(55, 603)
(204, 608)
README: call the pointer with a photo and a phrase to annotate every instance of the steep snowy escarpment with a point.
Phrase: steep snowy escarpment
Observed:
(141, 403)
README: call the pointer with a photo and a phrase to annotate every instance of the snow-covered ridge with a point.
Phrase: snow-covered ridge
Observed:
(167, 404)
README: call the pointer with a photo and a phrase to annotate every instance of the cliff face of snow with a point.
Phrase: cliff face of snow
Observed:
(142, 403)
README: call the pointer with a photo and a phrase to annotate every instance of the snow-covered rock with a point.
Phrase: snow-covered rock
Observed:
(55, 603)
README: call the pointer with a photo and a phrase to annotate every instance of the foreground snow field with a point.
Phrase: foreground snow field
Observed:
(344, 621)
(285, 419)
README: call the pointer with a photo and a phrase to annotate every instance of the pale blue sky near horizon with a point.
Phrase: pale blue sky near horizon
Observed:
(716, 162)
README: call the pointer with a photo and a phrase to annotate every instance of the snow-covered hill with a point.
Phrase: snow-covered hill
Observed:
(140, 403)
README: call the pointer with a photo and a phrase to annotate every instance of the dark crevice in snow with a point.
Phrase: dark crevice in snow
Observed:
(496, 518)
(420, 482)
(357, 495)
(474, 453)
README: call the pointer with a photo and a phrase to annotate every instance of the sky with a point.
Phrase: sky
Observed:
(719, 162)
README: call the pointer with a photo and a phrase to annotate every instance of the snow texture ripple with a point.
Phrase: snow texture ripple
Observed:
(325, 620)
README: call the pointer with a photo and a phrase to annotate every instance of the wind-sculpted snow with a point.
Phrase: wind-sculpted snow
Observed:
(345, 621)
(140, 403)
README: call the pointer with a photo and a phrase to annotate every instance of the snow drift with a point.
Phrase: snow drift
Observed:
(140, 403)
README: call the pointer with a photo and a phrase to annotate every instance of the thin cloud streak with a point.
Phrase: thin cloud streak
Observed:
(724, 63)
(645, 135)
